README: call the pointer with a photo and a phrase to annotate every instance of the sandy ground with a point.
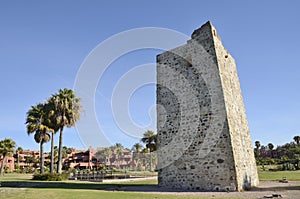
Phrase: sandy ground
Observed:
(266, 188)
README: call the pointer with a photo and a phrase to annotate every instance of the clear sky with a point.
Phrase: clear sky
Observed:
(44, 43)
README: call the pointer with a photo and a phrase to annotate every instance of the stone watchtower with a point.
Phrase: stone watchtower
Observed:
(203, 137)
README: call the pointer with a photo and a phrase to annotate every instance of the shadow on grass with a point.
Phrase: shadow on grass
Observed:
(67, 185)
(130, 187)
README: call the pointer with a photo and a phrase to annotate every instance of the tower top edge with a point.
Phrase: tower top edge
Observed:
(207, 30)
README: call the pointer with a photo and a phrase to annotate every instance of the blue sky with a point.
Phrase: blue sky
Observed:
(44, 43)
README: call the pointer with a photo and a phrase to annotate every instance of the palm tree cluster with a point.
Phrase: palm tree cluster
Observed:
(107, 152)
(45, 119)
(139, 151)
(6, 148)
(285, 155)
(150, 139)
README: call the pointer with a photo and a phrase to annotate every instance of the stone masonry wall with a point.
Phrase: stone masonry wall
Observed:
(203, 136)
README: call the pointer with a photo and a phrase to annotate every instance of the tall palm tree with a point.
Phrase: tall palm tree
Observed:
(41, 138)
(67, 113)
(35, 123)
(150, 139)
(297, 139)
(6, 148)
(55, 154)
(51, 122)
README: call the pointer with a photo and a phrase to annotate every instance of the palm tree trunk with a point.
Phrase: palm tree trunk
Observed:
(18, 156)
(52, 154)
(137, 164)
(59, 164)
(137, 158)
(2, 166)
(150, 161)
(42, 157)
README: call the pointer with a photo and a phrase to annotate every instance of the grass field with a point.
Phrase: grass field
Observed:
(20, 186)
(31, 193)
(277, 175)
(87, 194)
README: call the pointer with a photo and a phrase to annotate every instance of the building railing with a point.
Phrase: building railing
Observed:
(98, 175)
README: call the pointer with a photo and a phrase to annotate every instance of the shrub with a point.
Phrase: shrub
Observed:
(50, 177)
(7, 170)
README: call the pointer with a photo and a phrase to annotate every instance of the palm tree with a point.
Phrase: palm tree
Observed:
(41, 137)
(297, 139)
(137, 148)
(257, 145)
(104, 154)
(67, 113)
(119, 150)
(6, 148)
(52, 153)
(55, 154)
(51, 122)
(150, 139)
(271, 147)
(18, 151)
(107, 152)
(35, 124)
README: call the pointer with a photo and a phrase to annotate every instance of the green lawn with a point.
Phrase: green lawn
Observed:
(19, 186)
(30, 193)
(16, 177)
(277, 175)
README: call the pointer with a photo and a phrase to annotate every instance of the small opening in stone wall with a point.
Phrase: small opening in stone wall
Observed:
(214, 31)
(226, 56)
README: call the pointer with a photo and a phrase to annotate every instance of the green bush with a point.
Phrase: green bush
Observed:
(7, 170)
(50, 177)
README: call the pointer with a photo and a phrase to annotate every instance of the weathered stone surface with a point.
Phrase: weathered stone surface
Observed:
(203, 137)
